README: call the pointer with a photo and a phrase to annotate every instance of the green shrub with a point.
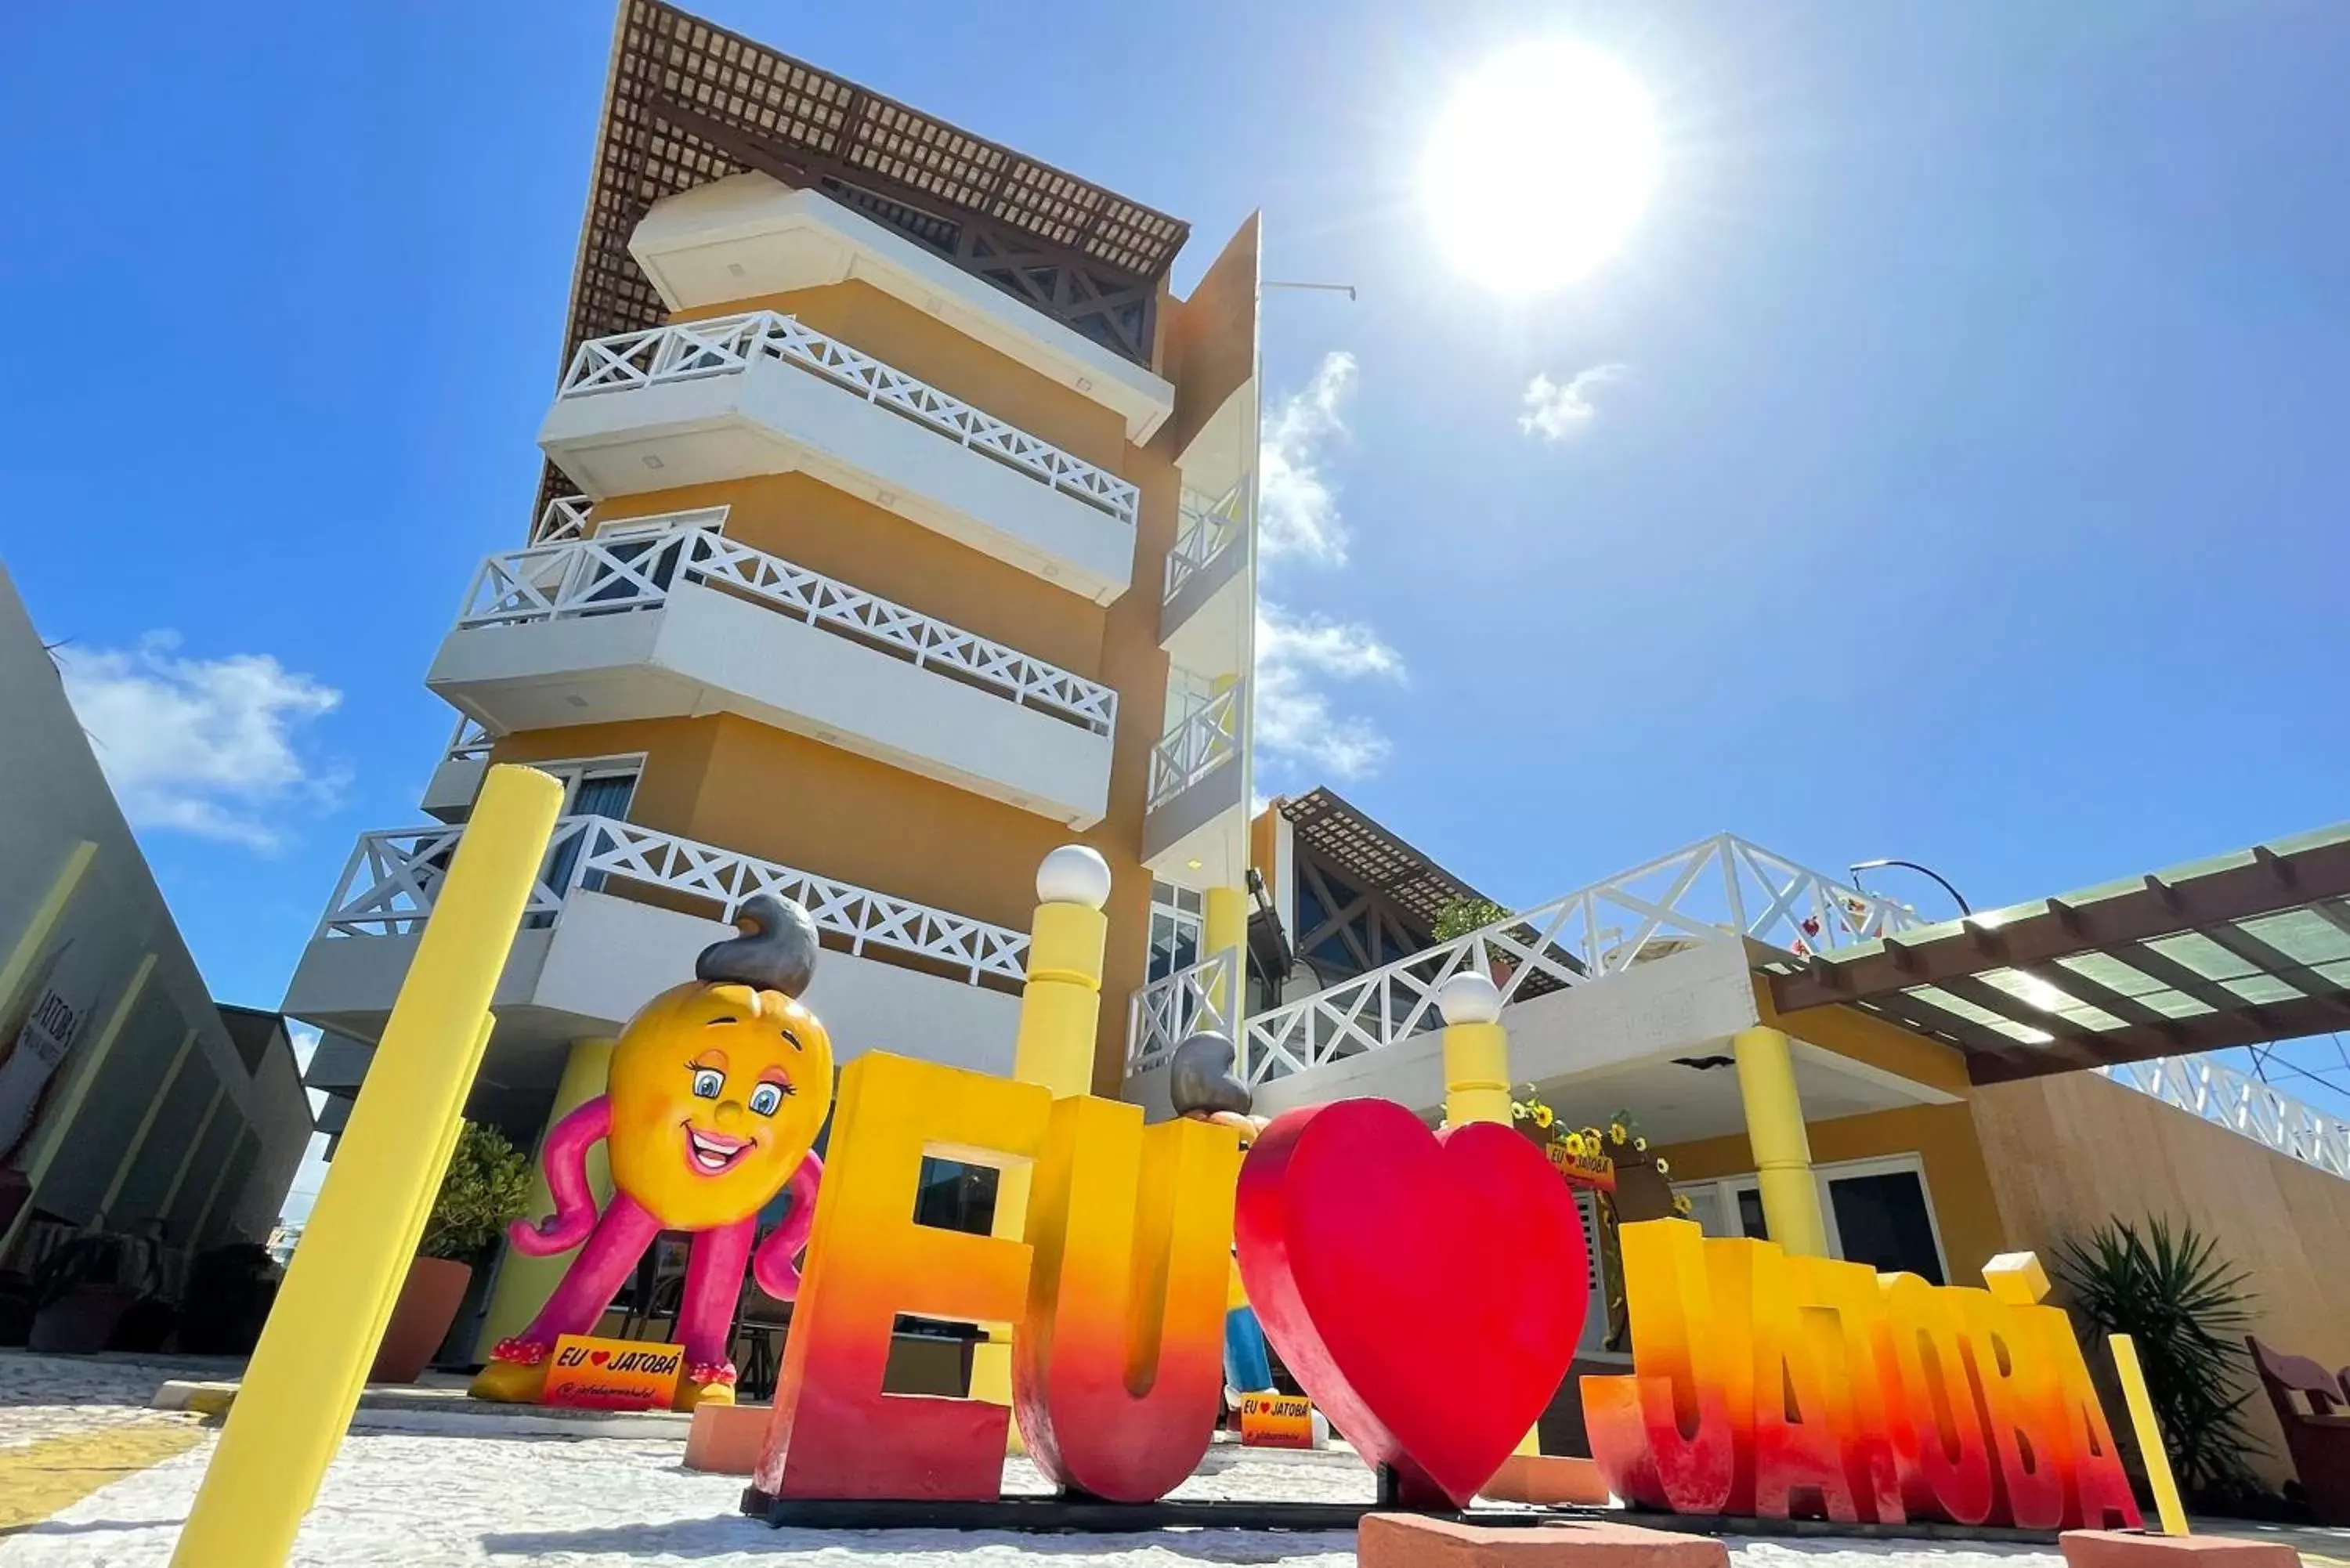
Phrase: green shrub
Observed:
(487, 1187)
(1462, 916)
(2187, 1312)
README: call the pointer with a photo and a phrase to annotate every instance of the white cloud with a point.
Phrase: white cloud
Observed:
(1296, 721)
(1297, 504)
(202, 746)
(1555, 410)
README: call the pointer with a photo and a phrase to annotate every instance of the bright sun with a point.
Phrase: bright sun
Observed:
(1540, 166)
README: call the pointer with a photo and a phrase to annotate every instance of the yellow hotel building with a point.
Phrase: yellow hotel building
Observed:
(899, 528)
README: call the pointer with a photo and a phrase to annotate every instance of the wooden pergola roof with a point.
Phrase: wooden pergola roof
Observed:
(688, 102)
(2245, 950)
(1384, 864)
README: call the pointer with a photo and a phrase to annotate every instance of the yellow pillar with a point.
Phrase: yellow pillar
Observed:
(2167, 1507)
(80, 1075)
(146, 1124)
(1783, 1148)
(43, 925)
(1224, 927)
(1060, 1009)
(1477, 1071)
(305, 1376)
(525, 1283)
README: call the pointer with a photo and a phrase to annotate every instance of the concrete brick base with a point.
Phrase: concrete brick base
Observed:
(1409, 1541)
(725, 1439)
(2128, 1549)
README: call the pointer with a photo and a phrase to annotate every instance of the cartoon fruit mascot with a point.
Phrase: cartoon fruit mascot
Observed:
(716, 1091)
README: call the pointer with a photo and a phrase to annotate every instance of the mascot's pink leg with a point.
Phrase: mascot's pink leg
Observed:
(517, 1367)
(705, 1319)
(597, 1274)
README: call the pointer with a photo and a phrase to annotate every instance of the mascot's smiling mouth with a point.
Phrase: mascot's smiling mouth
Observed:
(712, 1153)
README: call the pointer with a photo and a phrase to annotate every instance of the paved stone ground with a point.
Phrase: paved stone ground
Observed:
(607, 1503)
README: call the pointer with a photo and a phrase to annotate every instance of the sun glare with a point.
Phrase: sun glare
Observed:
(1542, 161)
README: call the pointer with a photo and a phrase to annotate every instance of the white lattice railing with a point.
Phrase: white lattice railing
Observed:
(469, 742)
(1203, 741)
(1719, 889)
(2217, 1092)
(390, 880)
(687, 350)
(1162, 1014)
(1208, 528)
(633, 570)
(563, 518)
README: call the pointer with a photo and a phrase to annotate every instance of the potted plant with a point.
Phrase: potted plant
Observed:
(487, 1187)
(1461, 916)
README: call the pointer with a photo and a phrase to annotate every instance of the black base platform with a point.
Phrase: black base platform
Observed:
(1049, 1515)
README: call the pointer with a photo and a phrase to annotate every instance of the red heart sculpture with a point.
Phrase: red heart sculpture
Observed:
(599, 1356)
(1427, 1289)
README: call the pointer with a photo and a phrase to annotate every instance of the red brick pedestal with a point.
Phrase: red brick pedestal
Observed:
(1409, 1541)
(2129, 1549)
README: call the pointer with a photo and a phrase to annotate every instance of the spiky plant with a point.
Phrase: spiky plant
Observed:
(2186, 1309)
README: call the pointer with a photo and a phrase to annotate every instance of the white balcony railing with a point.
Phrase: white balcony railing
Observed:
(688, 350)
(1721, 889)
(2240, 1103)
(1206, 530)
(617, 572)
(563, 518)
(469, 742)
(1203, 741)
(1161, 1015)
(390, 883)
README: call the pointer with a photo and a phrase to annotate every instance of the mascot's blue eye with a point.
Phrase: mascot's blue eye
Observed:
(708, 1081)
(765, 1098)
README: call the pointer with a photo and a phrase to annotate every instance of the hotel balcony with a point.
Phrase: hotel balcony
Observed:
(748, 235)
(618, 913)
(1193, 827)
(669, 617)
(457, 777)
(760, 393)
(1205, 602)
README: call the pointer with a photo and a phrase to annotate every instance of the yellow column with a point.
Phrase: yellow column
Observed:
(305, 1376)
(1225, 927)
(146, 1124)
(525, 1283)
(1783, 1148)
(2157, 1458)
(80, 1075)
(43, 925)
(1060, 1009)
(1477, 1071)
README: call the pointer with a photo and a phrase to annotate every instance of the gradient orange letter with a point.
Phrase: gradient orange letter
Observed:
(835, 1434)
(1117, 1369)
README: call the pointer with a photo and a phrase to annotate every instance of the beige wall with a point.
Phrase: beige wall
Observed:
(2071, 1151)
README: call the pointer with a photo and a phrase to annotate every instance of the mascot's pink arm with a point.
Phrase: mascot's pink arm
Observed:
(772, 1265)
(566, 1162)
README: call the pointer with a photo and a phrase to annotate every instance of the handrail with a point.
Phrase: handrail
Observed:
(1205, 530)
(390, 883)
(563, 518)
(1162, 1014)
(1203, 741)
(469, 742)
(612, 574)
(2217, 1092)
(689, 350)
(1721, 889)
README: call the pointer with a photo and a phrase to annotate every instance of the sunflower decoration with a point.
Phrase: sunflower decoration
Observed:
(1680, 1202)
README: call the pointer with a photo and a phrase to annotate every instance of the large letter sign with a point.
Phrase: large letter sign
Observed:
(1789, 1386)
(1116, 1294)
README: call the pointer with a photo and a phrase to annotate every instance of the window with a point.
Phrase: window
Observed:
(589, 789)
(953, 1196)
(1877, 1212)
(1177, 922)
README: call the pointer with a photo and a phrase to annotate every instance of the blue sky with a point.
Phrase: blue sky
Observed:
(1964, 479)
